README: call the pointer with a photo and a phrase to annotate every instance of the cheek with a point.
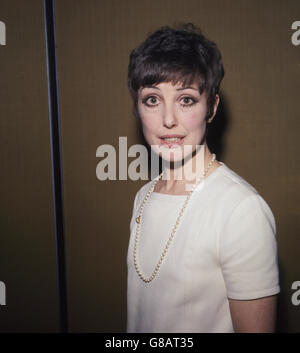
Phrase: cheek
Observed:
(194, 121)
(149, 120)
(149, 126)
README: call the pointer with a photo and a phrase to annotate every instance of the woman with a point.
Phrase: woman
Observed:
(202, 255)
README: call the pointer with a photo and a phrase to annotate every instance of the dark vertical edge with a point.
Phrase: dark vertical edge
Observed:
(55, 140)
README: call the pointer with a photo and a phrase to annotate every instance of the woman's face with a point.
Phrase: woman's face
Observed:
(172, 117)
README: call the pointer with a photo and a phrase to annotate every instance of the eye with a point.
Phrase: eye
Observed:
(150, 101)
(188, 101)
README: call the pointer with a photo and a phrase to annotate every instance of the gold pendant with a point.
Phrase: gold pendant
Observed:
(138, 219)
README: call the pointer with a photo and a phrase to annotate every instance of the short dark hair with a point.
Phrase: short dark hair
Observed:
(181, 54)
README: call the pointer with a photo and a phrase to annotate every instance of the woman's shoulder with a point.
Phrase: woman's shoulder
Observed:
(232, 185)
(235, 192)
(141, 193)
(144, 189)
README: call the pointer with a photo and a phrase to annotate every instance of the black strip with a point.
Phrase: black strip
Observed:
(56, 160)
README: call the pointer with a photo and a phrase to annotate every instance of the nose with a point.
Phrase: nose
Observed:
(169, 117)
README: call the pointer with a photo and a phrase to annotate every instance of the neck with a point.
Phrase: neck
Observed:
(179, 176)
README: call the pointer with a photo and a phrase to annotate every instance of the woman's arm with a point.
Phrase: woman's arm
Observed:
(258, 315)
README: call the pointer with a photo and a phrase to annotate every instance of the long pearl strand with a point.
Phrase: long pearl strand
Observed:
(139, 218)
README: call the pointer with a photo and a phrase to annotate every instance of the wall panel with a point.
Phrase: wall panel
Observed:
(27, 251)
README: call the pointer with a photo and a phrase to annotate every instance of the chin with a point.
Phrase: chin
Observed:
(172, 154)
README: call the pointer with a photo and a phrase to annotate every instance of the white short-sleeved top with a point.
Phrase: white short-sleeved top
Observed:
(224, 247)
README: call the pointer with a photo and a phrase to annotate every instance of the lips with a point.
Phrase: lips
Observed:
(172, 140)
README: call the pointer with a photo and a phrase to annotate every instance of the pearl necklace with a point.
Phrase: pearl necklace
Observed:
(139, 218)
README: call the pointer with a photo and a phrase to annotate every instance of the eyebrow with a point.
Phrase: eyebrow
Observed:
(187, 87)
(177, 89)
(150, 87)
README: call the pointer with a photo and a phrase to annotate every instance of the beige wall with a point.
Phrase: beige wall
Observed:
(259, 129)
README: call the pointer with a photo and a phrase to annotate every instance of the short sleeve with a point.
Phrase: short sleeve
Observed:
(248, 251)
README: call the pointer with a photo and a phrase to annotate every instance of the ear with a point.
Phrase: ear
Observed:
(217, 100)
